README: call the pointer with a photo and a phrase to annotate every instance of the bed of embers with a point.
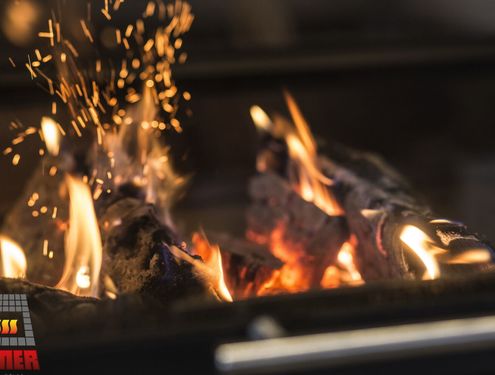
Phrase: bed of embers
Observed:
(91, 239)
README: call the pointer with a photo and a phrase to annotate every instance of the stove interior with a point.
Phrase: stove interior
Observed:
(231, 181)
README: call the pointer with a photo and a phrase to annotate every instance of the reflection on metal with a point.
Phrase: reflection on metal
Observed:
(346, 347)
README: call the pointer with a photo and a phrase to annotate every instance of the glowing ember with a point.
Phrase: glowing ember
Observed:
(14, 262)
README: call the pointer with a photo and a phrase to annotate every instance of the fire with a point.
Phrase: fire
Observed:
(14, 262)
(83, 247)
(51, 135)
(212, 259)
(308, 181)
(424, 248)
(344, 272)
(260, 118)
(345, 259)
(295, 274)
(312, 185)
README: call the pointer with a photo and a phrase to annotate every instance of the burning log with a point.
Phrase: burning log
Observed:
(395, 234)
(379, 205)
(142, 255)
(281, 218)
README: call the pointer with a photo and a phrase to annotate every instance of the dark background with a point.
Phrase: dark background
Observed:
(411, 80)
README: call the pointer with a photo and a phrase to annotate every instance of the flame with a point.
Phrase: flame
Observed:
(307, 179)
(83, 249)
(140, 158)
(212, 259)
(295, 274)
(424, 248)
(312, 183)
(260, 118)
(51, 135)
(345, 259)
(14, 262)
(345, 271)
(472, 256)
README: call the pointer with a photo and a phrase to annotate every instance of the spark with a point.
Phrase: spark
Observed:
(16, 159)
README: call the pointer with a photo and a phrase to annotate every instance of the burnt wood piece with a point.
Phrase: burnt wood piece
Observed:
(246, 265)
(50, 308)
(136, 253)
(378, 202)
(143, 255)
(280, 217)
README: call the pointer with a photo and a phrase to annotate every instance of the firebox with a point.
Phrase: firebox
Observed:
(247, 187)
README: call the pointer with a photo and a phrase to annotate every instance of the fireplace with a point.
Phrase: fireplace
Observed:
(276, 195)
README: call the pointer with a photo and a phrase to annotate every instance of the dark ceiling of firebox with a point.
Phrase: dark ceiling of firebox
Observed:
(412, 80)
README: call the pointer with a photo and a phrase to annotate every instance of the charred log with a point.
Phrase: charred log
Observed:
(136, 243)
(377, 203)
(137, 250)
(279, 216)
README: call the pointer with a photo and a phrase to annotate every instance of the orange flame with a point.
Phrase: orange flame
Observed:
(83, 249)
(312, 184)
(295, 274)
(14, 262)
(307, 179)
(212, 259)
(346, 269)
(139, 157)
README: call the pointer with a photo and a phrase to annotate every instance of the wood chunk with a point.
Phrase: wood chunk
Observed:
(378, 202)
(280, 217)
(138, 256)
(136, 243)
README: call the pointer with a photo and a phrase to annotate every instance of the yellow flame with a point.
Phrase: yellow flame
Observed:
(51, 135)
(83, 280)
(472, 256)
(83, 249)
(212, 266)
(424, 248)
(309, 181)
(313, 184)
(141, 158)
(260, 118)
(14, 262)
(345, 259)
(215, 263)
